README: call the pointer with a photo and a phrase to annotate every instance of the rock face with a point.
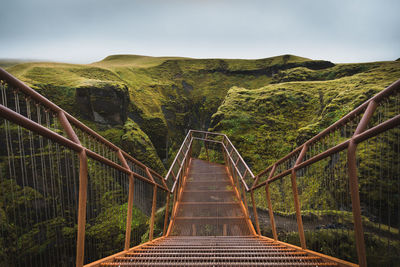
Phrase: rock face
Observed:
(104, 104)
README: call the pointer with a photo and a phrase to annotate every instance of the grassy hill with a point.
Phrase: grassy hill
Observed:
(254, 101)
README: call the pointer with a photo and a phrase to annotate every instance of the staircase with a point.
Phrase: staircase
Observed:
(212, 228)
(209, 205)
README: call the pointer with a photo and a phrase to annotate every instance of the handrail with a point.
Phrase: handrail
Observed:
(171, 175)
(176, 157)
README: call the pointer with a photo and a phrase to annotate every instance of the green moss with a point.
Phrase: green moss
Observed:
(138, 143)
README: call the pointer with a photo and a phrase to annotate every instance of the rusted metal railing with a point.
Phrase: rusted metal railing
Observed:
(103, 169)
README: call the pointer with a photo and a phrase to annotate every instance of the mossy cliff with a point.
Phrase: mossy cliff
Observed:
(267, 106)
(268, 122)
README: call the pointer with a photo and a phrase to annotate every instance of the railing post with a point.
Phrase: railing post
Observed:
(130, 202)
(298, 211)
(153, 213)
(255, 213)
(83, 182)
(353, 182)
(205, 145)
(271, 213)
(296, 198)
(166, 214)
(129, 213)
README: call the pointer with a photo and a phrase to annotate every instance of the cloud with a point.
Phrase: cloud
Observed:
(84, 31)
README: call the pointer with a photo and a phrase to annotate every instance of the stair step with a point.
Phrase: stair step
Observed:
(162, 264)
(195, 219)
(178, 258)
(206, 204)
(184, 253)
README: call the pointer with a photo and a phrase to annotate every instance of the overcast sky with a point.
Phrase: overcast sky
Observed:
(84, 31)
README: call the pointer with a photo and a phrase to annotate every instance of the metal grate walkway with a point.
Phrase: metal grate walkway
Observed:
(211, 229)
(209, 205)
(217, 251)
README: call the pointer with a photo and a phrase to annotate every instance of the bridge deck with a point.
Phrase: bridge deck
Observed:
(210, 229)
(209, 205)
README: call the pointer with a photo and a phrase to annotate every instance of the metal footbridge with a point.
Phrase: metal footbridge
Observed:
(69, 197)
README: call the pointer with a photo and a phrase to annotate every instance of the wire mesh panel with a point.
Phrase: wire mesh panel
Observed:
(264, 220)
(284, 211)
(287, 163)
(326, 207)
(94, 144)
(379, 180)
(160, 212)
(107, 202)
(142, 206)
(334, 137)
(24, 105)
(38, 199)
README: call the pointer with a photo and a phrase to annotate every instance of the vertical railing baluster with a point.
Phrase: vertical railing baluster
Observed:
(128, 229)
(166, 214)
(83, 182)
(255, 214)
(271, 212)
(296, 198)
(353, 182)
(153, 213)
